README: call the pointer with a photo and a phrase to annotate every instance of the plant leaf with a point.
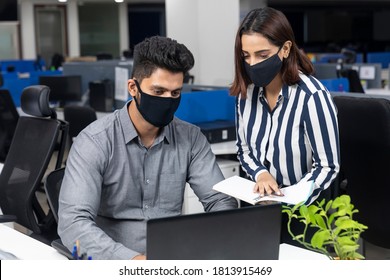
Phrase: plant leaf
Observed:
(345, 240)
(318, 239)
(320, 221)
(349, 248)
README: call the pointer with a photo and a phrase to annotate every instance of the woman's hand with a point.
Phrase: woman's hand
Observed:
(266, 185)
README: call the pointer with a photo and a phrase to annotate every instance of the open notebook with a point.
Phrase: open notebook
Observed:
(242, 189)
(249, 233)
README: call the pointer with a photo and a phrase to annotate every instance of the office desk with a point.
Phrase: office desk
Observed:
(25, 247)
(290, 252)
(378, 91)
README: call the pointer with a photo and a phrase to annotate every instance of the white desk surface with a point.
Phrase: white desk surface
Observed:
(378, 91)
(290, 252)
(25, 247)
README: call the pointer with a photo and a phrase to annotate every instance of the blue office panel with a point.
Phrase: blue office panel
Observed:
(22, 66)
(206, 106)
(338, 85)
(379, 57)
(16, 82)
(330, 57)
(15, 87)
(359, 58)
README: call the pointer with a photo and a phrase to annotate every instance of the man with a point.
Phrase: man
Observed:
(133, 164)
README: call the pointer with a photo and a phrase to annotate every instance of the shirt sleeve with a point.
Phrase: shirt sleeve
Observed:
(204, 173)
(79, 202)
(321, 129)
(248, 161)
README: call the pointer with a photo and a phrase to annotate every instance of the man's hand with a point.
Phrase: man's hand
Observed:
(139, 257)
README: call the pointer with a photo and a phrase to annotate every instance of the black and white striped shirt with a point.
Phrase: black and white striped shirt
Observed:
(297, 140)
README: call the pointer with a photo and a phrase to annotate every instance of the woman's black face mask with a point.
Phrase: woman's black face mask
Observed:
(262, 73)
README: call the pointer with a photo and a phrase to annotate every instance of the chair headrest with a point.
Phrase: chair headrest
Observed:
(35, 101)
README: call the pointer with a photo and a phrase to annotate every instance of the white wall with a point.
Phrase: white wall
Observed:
(208, 29)
(27, 27)
(123, 27)
(73, 28)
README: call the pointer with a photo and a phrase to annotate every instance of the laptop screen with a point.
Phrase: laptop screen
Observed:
(249, 233)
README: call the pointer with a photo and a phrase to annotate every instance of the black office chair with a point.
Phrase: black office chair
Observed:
(9, 117)
(188, 78)
(52, 189)
(27, 161)
(78, 118)
(364, 125)
(352, 75)
(349, 55)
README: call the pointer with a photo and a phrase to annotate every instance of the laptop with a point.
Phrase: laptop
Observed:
(249, 233)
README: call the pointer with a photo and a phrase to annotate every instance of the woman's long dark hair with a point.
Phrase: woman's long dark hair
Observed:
(274, 26)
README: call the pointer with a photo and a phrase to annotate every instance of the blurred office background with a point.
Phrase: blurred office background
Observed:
(83, 28)
(53, 32)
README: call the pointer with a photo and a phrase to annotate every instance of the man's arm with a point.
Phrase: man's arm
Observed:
(79, 202)
(204, 173)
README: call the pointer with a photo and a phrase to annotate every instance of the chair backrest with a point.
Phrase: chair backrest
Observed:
(355, 84)
(28, 158)
(365, 160)
(9, 117)
(52, 189)
(78, 118)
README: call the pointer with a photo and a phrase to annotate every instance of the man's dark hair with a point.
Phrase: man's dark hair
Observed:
(160, 52)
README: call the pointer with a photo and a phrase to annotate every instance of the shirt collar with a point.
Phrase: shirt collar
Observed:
(130, 132)
(284, 92)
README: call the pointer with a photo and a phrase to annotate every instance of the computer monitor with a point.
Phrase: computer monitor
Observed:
(63, 88)
(370, 72)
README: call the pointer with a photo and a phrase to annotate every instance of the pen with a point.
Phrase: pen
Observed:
(77, 253)
(74, 253)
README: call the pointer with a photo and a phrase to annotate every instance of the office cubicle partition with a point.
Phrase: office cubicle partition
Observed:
(96, 70)
(371, 73)
(379, 57)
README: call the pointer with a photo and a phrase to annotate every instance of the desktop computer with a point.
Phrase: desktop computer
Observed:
(101, 95)
(218, 131)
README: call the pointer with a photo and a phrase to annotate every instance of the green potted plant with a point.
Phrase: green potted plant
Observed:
(337, 234)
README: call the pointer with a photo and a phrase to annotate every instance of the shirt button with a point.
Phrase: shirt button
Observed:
(147, 181)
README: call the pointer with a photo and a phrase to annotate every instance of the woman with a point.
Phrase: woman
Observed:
(287, 129)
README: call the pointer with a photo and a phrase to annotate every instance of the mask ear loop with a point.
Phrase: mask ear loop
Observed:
(139, 91)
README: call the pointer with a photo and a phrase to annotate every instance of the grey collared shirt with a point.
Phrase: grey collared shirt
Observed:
(113, 184)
